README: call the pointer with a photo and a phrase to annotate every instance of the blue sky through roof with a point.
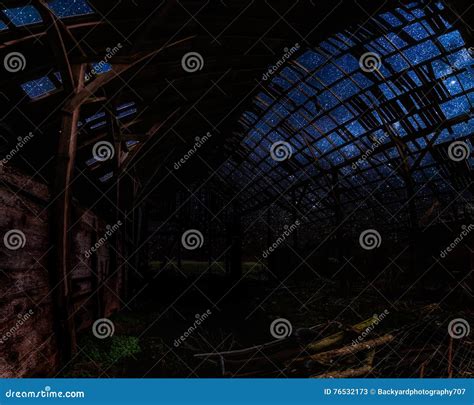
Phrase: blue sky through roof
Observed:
(28, 15)
(68, 8)
(319, 104)
(39, 87)
(21, 16)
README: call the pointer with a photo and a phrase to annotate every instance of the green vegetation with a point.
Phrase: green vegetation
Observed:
(98, 356)
(109, 352)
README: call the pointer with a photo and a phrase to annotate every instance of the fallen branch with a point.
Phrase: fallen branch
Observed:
(337, 338)
(328, 357)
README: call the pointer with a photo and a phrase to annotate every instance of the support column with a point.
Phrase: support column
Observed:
(236, 245)
(61, 220)
(413, 232)
(338, 214)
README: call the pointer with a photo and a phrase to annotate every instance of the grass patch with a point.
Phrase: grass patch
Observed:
(100, 355)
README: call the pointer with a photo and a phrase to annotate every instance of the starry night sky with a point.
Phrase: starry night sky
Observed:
(324, 96)
(325, 92)
(28, 15)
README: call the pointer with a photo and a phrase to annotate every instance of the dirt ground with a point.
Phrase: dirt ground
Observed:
(147, 332)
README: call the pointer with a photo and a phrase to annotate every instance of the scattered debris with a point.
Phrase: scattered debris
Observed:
(420, 345)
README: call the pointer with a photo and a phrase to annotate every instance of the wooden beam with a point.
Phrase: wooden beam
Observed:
(57, 44)
(149, 135)
(61, 219)
(88, 91)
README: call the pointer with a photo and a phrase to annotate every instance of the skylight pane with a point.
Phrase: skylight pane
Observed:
(329, 48)
(329, 74)
(398, 62)
(311, 60)
(422, 52)
(345, 89)
(58, 76)
(101, 67)
(106, 177)
(342, 114)
(98, 125)
(132, 143)
(39, 87)
(348, 63)
(466, 79)
(451, 41)
(21, 16)
(406, 15)
(126, 113)
(456, 107)
(452, 85)
(284, 84)
(383, 45)
(95, 117)
(391, 19)
(418, 13)
(69, 8)
(416, 31)
(396, 40)
(297, 96)
(125, 105)
(355, 128)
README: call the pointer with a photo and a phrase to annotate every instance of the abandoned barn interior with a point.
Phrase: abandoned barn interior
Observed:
(236, 188)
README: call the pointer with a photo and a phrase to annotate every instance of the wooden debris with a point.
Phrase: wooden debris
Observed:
(299, 354)
(328, 357)
(419, 346)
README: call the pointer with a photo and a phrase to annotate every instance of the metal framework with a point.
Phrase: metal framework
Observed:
(379, 130)
(95, 71)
